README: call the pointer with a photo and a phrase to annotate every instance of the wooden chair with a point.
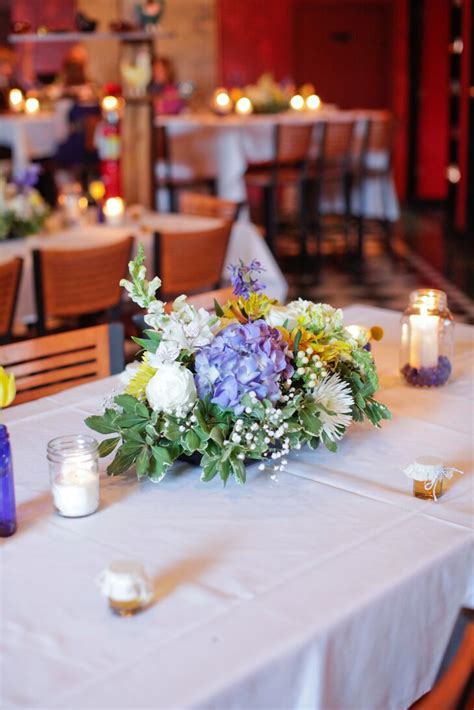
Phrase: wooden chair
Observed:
(10, 276)
(288, 167)
(80, 284)
(44, 366)
(333, 165)
(190, 262)
(163, 155)
(195, 203)
(375, 162)
(455, 688)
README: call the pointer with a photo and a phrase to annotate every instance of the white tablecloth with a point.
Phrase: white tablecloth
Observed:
(328, 586)
(208, 145)
(245, 243)
(33, 136)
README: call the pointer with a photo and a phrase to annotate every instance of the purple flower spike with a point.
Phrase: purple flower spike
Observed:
(28, 177)
(244, 278)
(241, 359)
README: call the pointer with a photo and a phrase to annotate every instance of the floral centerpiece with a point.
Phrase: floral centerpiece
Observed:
(22, 209)
(252, 382)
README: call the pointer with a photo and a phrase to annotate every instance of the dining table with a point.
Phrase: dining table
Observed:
(33, 136)
(325, 585)
(245, 243)
(203, 144)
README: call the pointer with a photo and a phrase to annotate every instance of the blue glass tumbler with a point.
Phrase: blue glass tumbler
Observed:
(7, 489)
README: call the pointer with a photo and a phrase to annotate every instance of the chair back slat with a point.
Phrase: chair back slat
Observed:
(293, 143)
(44, 366)
(380, 133)
(195, 203)
(80, 282)
(191, 261)
(337, 143)
(10, 274)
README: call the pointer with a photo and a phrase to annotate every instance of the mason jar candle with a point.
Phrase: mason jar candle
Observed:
(74, 475)
(427, 342)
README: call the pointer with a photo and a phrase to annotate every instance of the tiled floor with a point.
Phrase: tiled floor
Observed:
(423, 253)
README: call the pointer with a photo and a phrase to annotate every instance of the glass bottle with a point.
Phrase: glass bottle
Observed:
(7, 489)
(74, 475)
(427, 342)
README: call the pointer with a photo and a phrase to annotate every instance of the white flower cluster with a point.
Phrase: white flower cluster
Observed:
(24, 205)
(185, 328)
(317, 316)
(310, 367)
(171, 389)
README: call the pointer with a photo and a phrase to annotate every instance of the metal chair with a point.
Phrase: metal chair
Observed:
(375, 162)
(163, 154)
(47, 365)
(288, 167)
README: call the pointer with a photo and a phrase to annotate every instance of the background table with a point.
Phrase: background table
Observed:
(202, 144)
(245, 243)
(328, 586)
(33, 136)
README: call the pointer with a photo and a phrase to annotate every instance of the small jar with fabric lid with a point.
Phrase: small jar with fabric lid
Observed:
(126, 586)
(74, 475)
(427, 345)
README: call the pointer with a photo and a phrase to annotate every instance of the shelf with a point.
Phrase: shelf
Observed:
(90, 36)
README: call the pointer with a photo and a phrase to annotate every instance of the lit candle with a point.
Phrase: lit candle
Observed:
(221, 102)
(110, 103)
(74, 472)
(15, 100)
(113, 211)
(244, 106)
(297, 102)
(424, 345)
(32, 105)
(313, 102)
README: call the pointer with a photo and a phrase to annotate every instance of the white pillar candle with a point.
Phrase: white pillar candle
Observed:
(32, 105)
(76, 492)
(114, 211)
(424, 345)
(244, 106)
(16, 100)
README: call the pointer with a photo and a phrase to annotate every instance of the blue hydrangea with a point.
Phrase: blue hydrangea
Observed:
(244, 278)
(241, 359)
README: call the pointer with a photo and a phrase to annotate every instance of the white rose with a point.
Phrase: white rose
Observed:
(172, 387)
(279, 315)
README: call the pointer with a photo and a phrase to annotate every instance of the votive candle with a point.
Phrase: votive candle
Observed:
(114, 209)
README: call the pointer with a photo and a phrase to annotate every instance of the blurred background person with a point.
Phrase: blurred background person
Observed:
(164, 88)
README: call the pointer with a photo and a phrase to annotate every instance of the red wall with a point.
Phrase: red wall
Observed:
(53, 13)
(254, 37)
(433, 101)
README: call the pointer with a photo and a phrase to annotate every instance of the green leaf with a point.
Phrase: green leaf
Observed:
(217, 435)
(328, 443)
(310, 422)
(296, 344)
(108, 445)
(218, 310)
(143, 462)
(124, 459)
(104, 424)
(128, 403)
(224, 470)
(238, 469)
(210, 468)
(191, 440)
(162, 461)
(149, 345)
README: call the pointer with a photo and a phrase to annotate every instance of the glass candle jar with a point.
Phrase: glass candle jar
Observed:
(427, 474)
(427, 345)
(74, 475)
(73, 205)
(126, 586)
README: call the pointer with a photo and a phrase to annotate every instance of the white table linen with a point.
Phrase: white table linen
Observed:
(245, 243)
(32, 136)
(205, 145)
(327, 586)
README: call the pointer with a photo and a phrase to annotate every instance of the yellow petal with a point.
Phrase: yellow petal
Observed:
(11, 389)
